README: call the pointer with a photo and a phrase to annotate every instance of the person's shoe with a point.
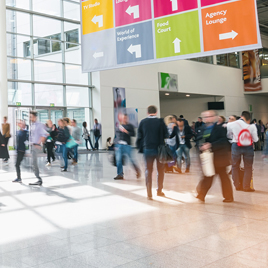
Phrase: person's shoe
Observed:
(239, 188)
(53, 160)
(74, 163)
(38, 183)
(228, 200)
(150, 198)
(187, 171)
(119, 177)
(18, 181)
(178, 170)
(138, 174)
(200, 199)
(62, 167)
(249, 190)
(64, 170)
(161, 194)
(48, 164)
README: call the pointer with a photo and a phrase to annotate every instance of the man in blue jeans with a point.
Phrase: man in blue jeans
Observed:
(242, 135)
(183, 137)
(151, 134)
(122, 148)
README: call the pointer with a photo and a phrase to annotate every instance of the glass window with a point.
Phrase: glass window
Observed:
(18, 69)
(222, 60)
(71, 10)
(51, 7)
(233, 60)
(44, 27)
(72, 32)
(72, 37)
(77, 96)
(48, 71)
(18, 45)
(19, 92)
(47, 94)
(17, 22)
(208, 59)
(19, 3)
(74, 75)
(43, 46)
(73, 55)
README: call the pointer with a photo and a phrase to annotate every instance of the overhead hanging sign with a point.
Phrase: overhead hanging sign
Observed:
(122, 33)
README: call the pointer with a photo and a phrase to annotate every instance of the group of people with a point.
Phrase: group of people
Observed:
(229, 143)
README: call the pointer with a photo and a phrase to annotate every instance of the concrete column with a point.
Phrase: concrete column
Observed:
(3, 62)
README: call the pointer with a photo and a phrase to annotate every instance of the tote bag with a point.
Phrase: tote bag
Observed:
(71, 143)
(207, 163)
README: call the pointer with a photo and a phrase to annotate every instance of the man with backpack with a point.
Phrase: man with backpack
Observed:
(242, 136)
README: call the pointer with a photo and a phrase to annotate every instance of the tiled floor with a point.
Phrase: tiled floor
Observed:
(84, 218)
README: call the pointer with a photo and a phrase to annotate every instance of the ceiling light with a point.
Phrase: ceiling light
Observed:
(167, 94)
(187, 95)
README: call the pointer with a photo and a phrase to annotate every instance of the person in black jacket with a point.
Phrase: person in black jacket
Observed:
(22, 136)
(152, 133)
(183, 139)
(124, 134)
(214, 137)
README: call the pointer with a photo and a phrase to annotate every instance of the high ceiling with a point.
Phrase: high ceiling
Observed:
(263, 16)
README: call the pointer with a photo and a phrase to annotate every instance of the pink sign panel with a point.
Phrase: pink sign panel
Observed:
(132, 11)
(211, 2)
(167, 7)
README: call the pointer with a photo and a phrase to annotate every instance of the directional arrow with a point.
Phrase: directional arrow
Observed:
(135, 10)
(98, 55)
(136, 49)
(98, 19)
(174, 5)
(177, 45)
(229, 35)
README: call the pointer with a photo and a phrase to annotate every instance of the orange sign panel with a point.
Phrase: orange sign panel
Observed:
(229, 25)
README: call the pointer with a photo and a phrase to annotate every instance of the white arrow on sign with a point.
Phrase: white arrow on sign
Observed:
(98, 55)
(135, 10)
(229, 35)
(98, 19)
(174, 5)
(177, 45)
(136, 49)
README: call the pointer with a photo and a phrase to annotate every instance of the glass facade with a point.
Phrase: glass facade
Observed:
(44, 58)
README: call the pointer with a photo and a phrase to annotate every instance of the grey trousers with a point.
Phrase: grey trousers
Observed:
(35, 151)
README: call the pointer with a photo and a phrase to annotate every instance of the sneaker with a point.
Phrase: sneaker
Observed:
(18, 181)
(74, 163)
(64, 170)
(119, 177)
(228, 200)
(48, 164)
(161, 194)
(178, 170)
(201, 200)
(38, 183)
(249, 190)
(150, 198)
(187, 171)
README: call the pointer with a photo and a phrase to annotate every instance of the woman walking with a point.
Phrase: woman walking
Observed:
(50, 143)
(86, 136)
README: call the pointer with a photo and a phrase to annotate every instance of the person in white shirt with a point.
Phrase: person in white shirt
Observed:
(242, 136)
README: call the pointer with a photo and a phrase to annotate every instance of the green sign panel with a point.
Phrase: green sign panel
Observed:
(52, 105)
(18, 103)
(167, 33)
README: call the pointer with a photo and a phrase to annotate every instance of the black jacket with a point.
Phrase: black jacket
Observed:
(122, 136)
(152, 132)
(3, 149)
(63, 135)
(22, 136)
(188, 135)
(220, 145)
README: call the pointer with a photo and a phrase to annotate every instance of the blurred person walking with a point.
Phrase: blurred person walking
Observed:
(6, 135)
(242, 135)
(97, 133)
(152, 133)
(123, 147)
(213, 137)
(3, 148)
(50, 142)
(38, 136)
(86, 136)
(183, 134)
(76, 133)
(22, 136)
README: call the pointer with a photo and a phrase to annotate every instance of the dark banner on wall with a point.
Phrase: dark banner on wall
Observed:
(251, 71)
(119, 105)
